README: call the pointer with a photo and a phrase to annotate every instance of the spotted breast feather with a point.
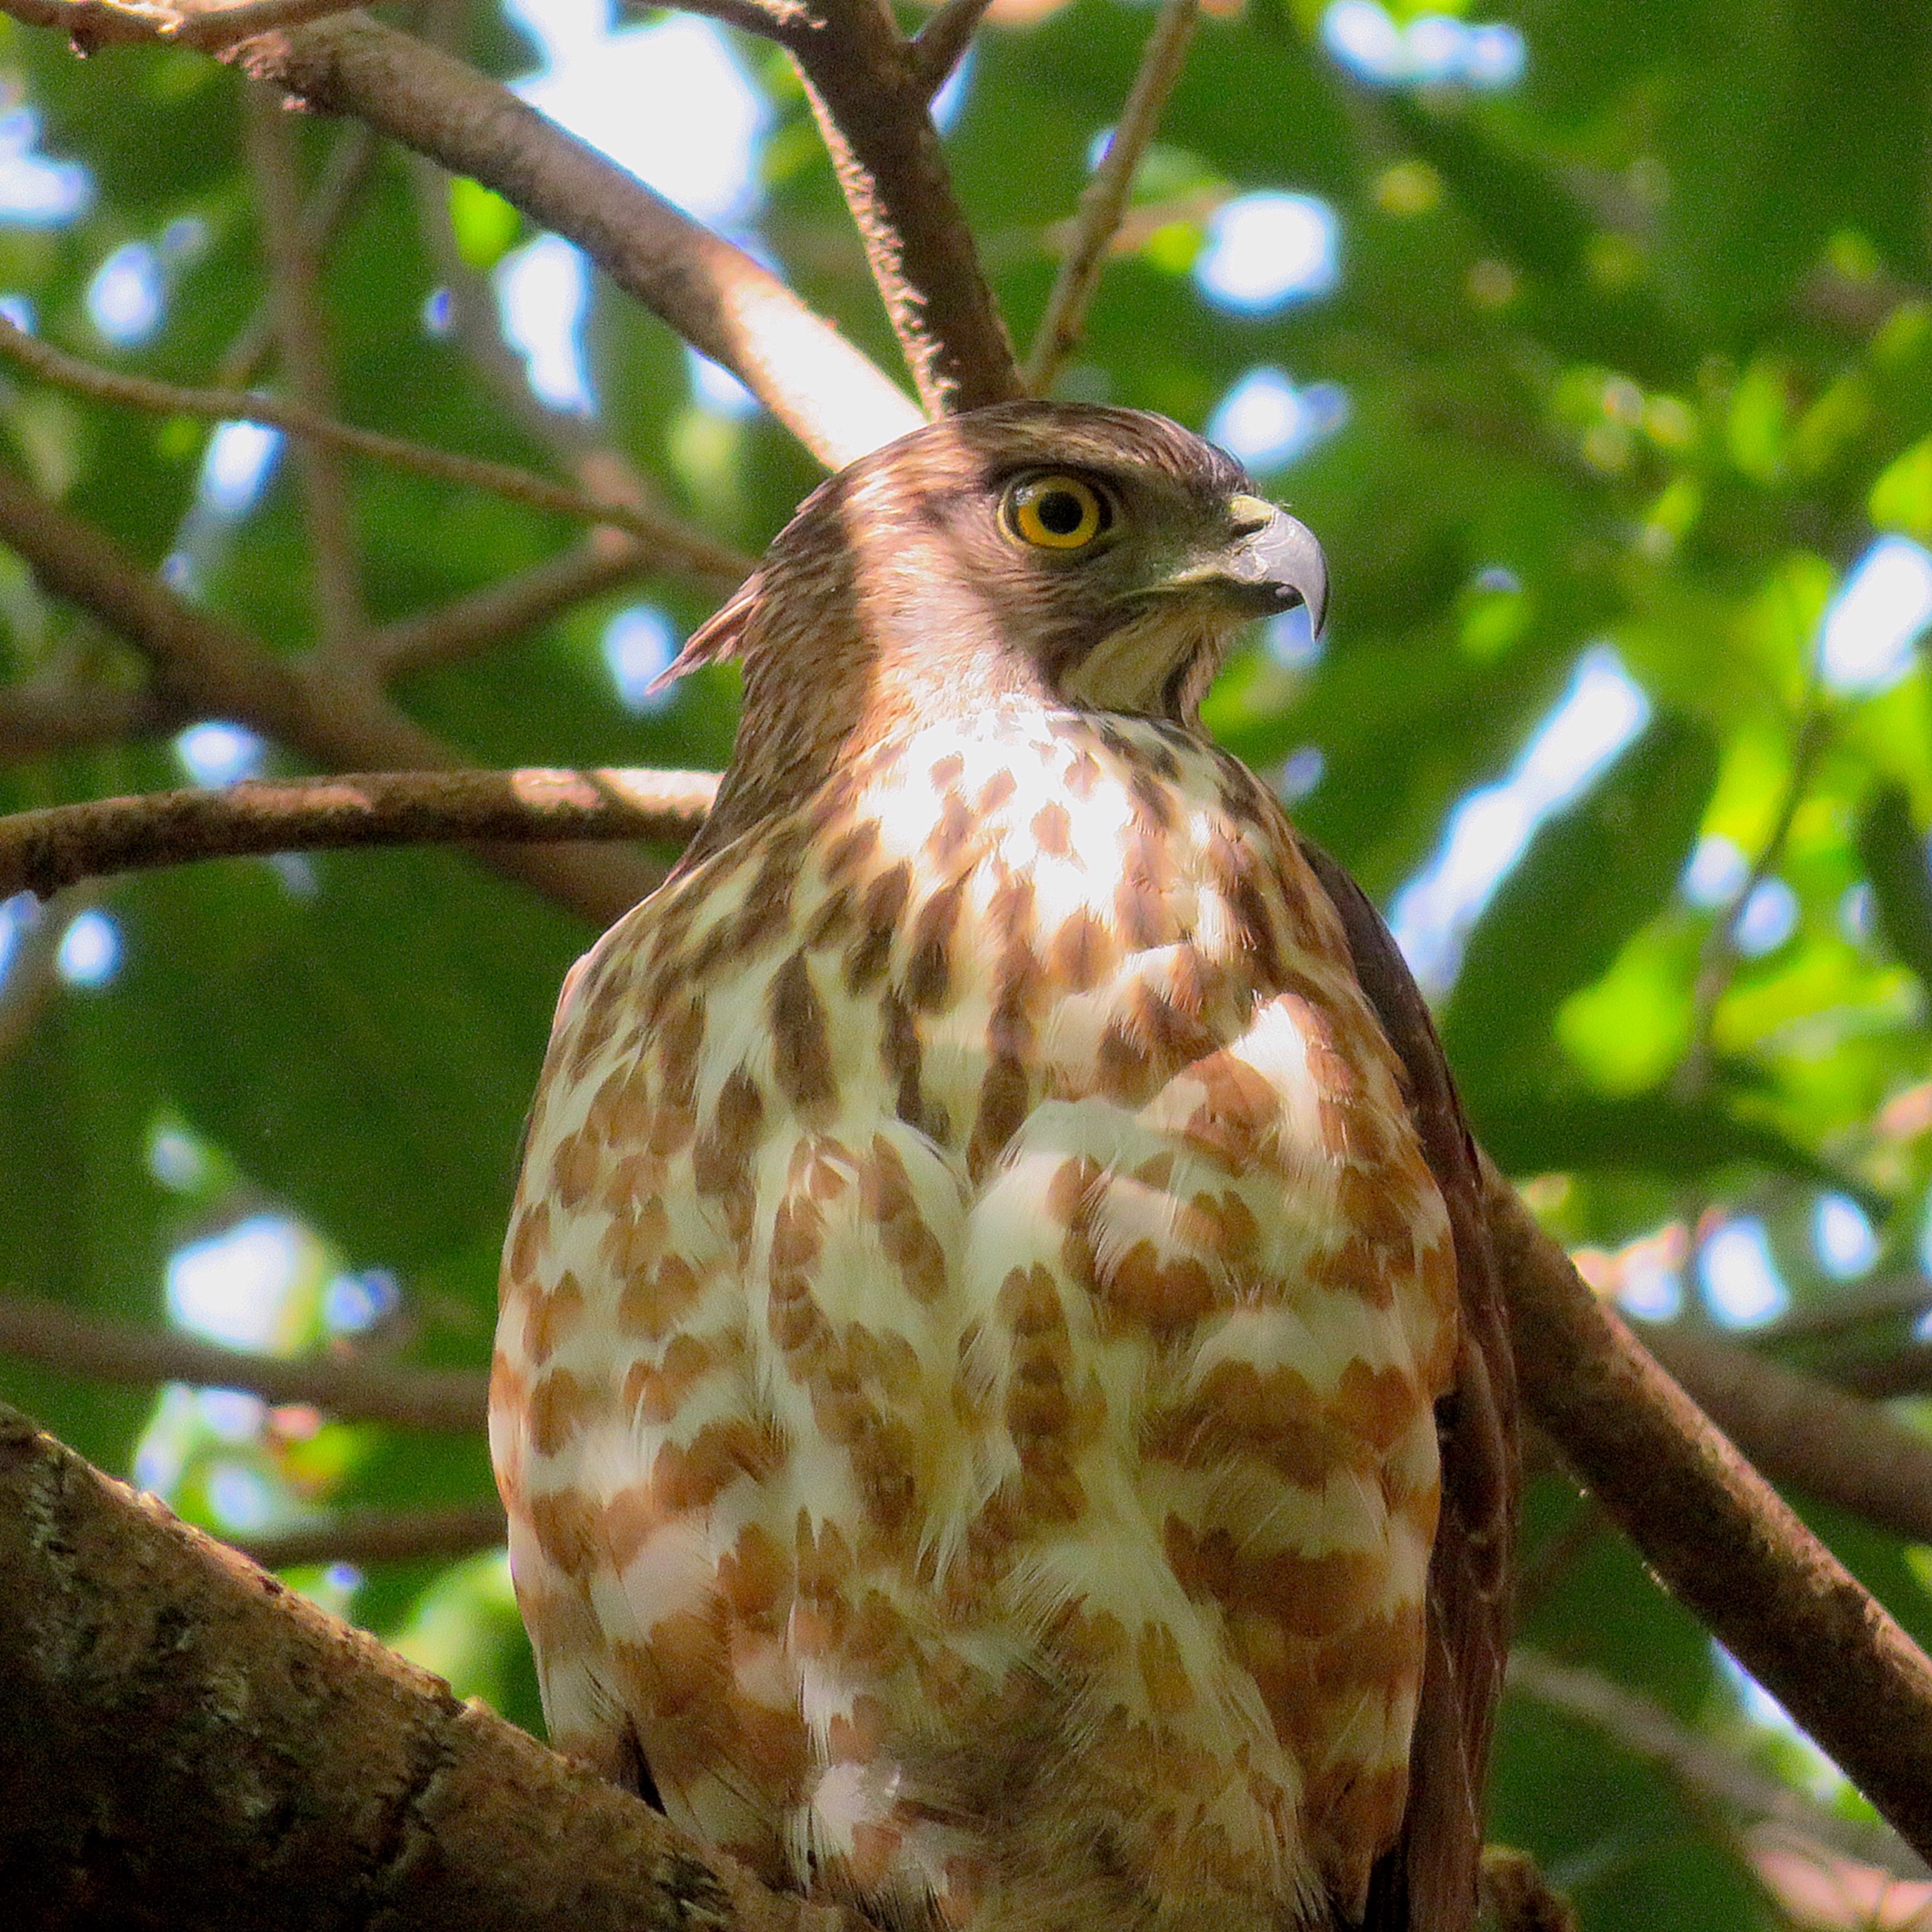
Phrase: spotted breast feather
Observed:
(971, 1320)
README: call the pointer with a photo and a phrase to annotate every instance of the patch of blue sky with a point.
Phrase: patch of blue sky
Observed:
(1651, 1290)
(1741, 1283)
(1716, 873)
(949, 102)
(1842, 1237)
(1301, 771)
(236, 1287)
(231, 1415)
(240, 1498)
(1266, 251)
(217, 753)
(1291, 641)
(89, 952)
(353, 1303)
(671, 102)
(19, 309)
(714, 387)
(543, 297)
(235, 468)
(1766, 920)
(127, 299)
(639, 644)
(1267, 423)
(18, 915)
(1433, 50)
(1491, 828)
(1821, 1776)
(1866, 642)
(36, 191)
(177, 1160)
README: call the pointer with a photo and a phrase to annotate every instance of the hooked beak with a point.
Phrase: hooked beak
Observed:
(1272, 563)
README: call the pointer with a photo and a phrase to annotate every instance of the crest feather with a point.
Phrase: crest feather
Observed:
(720, 636)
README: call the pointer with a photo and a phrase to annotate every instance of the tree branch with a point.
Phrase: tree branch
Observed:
(365, 1536)
(41, 851)
(95, 1348)
(837, 403)
(1799, 1430)
(941, 44)
(189, 1742)
(307, 369)
(676, 545)
(870, 94)
(468, 626)
(42, 716)
(1720, 1538)
(348, 167)
(91, 24)
(1648, 1732)
(1105, 201)
(212, 665)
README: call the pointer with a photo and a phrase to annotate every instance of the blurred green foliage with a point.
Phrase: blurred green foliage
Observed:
(1637, 352)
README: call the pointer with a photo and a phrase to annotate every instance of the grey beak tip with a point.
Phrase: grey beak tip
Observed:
(1296, 563)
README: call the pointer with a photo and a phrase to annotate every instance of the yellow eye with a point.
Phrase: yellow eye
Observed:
(1056, 512)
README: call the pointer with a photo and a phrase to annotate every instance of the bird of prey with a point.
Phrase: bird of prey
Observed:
(978, 1319)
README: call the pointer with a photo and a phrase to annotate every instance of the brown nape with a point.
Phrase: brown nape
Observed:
(895, 596)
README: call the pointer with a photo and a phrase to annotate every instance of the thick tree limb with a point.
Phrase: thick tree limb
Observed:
(95, 1348)
(1105, 200)
(1719, 1538)
(364, 1537)
(189, 1743)
(831, 397)
(675, 545)
(217, 669)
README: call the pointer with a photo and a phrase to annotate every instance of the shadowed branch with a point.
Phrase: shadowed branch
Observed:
(148, 1674)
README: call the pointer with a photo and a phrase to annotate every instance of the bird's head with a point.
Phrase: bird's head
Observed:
(1099, 558)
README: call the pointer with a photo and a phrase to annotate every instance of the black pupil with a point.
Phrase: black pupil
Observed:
(1060, 511)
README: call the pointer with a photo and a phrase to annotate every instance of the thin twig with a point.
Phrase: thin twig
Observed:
(89, 24)
(1720, 956)
(349, 163)
(676, 546)
(1648, 1732)
(95, 1348)
(834, 400)
(940, 45)
(1715, 1533)
(467, 625)
(1104, 201)
(307, 370)
(211, 665)
(43, 851)
(366, 1536)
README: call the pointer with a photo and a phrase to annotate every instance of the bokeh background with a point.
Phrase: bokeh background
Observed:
(1596, 344)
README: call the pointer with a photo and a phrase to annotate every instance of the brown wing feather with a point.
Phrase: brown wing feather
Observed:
(1428, 1882)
